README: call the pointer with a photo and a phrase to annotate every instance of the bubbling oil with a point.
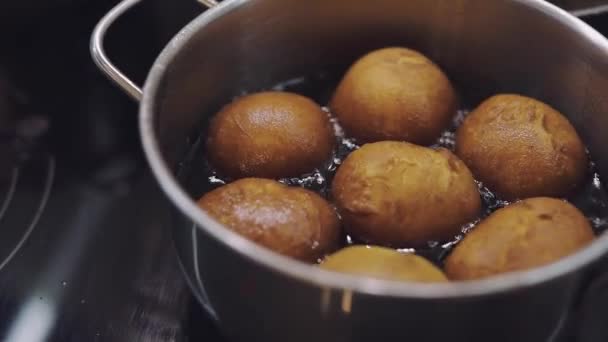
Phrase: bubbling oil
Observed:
(201, 177)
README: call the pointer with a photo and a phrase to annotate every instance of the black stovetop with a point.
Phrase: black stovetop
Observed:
(84, 253)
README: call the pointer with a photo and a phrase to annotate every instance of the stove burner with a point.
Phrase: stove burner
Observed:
(26, 191)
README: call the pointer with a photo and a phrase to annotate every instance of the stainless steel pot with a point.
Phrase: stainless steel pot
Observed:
(524, 46)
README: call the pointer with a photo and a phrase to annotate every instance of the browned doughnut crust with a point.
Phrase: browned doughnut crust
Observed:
(400, 194)
(520, 147)
(291, 221)
(526, 234)
(271, 135)
(394, 94)
(383, 263)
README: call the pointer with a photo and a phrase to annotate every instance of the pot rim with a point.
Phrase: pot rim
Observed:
(316, 276)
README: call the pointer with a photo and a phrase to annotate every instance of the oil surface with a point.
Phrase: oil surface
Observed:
(200, 177)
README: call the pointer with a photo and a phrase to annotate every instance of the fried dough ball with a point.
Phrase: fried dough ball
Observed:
(523, 235)
(520, 147)
(399, 194)
(394, 94)
(288, 220)
(270, 135)
(383, 263)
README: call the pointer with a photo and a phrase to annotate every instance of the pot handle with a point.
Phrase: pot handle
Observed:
(101, 58)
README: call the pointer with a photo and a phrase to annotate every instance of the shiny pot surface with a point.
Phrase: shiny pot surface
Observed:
(529, 47)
